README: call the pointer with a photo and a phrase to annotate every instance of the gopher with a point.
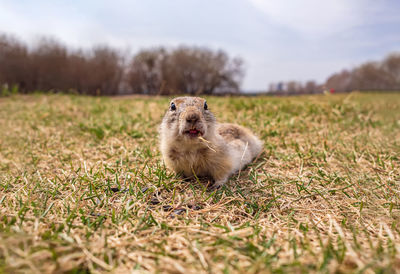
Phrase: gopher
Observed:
(192, 142)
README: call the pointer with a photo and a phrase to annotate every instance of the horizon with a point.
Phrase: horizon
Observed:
(277, 43)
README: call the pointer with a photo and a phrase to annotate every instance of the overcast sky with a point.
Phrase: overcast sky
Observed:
(279, 40)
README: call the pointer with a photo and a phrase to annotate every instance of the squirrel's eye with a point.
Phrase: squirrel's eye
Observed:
(205, 106)
(173, 107)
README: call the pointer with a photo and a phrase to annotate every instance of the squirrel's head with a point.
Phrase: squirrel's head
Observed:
(189, 118)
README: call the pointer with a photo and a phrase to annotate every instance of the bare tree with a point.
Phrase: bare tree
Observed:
(184, 70)
(340, 81)
(272, 87)
(383, 75)
(105, 68)
(391, 66)
(146, 71)
(14, 63)
(311, 87)
(48, 62)
(291, 86)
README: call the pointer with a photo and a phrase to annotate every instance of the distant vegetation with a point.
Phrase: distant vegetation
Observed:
(50, 66)
(373, 76)
(189, 70)
(382, 75)
(295, 87)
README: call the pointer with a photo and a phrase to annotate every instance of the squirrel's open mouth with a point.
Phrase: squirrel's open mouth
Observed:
(193, 132)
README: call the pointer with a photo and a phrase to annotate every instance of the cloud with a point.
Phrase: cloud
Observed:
(30, 21)
(313, 16)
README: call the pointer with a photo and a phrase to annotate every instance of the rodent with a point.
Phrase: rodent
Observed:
(192, 142)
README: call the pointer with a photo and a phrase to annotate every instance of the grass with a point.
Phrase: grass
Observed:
(83, 188)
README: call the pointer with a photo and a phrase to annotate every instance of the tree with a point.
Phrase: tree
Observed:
(340, 81)
(384, 75)
(189, 70)
(104, 73)
(14, 63)
(48, 65)
(391, 66)
(311, 87)
(146, 71)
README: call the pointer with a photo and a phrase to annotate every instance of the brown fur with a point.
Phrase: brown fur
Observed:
(219, 150)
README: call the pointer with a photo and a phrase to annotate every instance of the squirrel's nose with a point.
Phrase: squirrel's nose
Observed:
(192, 118)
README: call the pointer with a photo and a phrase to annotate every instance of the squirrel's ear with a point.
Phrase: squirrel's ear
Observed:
(205, 105)
(173, 107)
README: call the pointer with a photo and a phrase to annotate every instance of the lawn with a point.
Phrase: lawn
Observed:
(83, 188)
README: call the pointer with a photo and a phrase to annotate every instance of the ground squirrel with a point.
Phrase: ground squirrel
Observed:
(193, 143)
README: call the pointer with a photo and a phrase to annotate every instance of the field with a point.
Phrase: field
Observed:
(83, 188)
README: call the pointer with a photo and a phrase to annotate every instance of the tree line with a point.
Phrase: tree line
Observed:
(373, 76)
(50, 66)
(295, 87)
(380, 75)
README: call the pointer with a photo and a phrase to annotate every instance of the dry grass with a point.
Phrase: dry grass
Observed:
(83, 188)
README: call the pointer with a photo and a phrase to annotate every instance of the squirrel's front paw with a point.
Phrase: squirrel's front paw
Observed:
(217, 184)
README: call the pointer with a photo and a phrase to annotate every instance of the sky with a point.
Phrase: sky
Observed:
(279, 40)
